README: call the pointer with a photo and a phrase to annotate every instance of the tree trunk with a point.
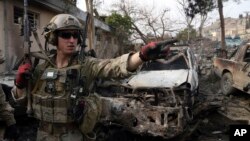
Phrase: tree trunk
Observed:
(91, 29)
(203, 20)
(222, 25)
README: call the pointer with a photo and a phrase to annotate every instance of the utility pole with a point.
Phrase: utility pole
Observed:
(91, 28)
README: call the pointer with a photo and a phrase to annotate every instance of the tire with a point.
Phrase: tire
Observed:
(227, 84)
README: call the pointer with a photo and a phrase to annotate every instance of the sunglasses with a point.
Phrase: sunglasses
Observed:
(68, 35)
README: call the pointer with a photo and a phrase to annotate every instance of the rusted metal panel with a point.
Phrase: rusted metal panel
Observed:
(221, 65)
(238, 67)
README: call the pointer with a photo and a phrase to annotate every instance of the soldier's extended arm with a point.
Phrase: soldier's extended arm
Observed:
(125, 65)
(151, 51)
(134, 61)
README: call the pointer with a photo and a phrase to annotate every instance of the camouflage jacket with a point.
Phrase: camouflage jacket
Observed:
(91, 68)
(6, 111)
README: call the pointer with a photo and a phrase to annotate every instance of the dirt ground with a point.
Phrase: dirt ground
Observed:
(214, 124)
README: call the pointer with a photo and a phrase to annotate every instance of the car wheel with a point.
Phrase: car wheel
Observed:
(227, 84)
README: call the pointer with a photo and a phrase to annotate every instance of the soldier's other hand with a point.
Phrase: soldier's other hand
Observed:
(153, 50)
(92, 53)
(23, 75)
(11, 132)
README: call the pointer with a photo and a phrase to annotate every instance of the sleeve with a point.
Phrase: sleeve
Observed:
(111, 68)
(6, 111)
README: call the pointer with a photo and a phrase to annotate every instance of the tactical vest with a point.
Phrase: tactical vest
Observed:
(52, 99)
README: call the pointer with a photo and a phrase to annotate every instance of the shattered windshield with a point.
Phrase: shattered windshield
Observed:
(162, 64)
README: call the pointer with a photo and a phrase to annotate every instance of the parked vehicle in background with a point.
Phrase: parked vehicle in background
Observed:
(234, 71)
(233, 41)
(158, 100)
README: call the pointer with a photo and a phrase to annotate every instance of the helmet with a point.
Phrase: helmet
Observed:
(60, 22)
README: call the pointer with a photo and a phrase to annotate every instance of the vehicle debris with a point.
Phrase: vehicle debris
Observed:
(158, 100)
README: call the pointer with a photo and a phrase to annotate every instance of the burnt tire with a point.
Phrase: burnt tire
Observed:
(227, 84)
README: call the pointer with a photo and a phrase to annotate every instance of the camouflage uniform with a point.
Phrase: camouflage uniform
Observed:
(6, 111)
(52, 109)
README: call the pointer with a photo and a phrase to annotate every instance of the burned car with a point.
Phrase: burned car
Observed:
(234, 71)
(158, 100)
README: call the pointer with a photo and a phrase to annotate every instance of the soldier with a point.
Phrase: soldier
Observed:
(60, 87)
(6, 114)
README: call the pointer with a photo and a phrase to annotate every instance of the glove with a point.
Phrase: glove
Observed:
(22, 76)
(91, 53)
(153, 51)
(11, 132)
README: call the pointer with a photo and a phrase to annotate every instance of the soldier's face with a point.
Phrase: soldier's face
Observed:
(67, 41)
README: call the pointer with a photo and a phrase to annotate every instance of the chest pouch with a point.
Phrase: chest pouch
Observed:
(76, 109)
(50, 76)
(77, 83)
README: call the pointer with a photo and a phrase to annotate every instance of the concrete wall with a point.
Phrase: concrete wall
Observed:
(106, 47)
(1, 33)
(11, 42)
(233, 27)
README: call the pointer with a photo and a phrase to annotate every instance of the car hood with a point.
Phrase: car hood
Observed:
(162, 79)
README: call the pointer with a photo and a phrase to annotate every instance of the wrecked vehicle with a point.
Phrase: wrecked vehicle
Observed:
(158, 100)
(235, 71)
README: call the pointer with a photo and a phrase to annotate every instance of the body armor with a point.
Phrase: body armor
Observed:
(55, 95)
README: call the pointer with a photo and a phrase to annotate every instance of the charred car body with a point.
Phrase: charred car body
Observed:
(234, 71)
(158, 100)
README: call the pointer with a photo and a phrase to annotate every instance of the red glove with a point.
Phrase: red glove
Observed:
(22, 76)
(153, 51)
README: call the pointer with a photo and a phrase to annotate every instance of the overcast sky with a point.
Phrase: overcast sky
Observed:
(231, 9)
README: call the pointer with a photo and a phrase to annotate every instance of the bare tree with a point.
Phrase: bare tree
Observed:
(188, 19)
(146, 25)
(222, 25)
(203, 19)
